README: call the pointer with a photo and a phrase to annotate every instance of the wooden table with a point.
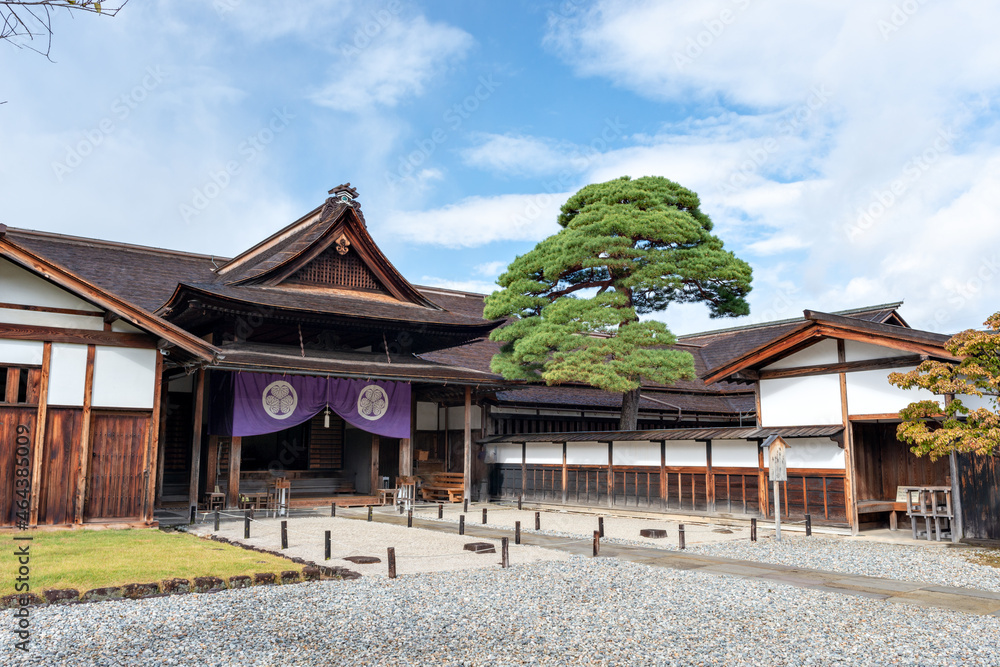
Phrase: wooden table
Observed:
(931, 503)
(254, 499)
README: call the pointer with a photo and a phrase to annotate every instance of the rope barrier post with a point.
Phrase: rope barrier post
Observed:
(538, 520)
(517, 532)
(465, 506)
(809, 525)
(597, 543)
(400, 506)
(440, 510)
(600, 525)
(392, 562)
(246, 524)
(484, 516)
(680, 536)
(519, 499)
(409, 518)
(753, 530)
(333, 510)
(326, 545)
(216, 529)
(194, 512)
(284, 534)
(461, 524)
(504, 558)
(369, 512)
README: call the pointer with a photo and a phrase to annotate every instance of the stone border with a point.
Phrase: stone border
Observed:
(137, 591)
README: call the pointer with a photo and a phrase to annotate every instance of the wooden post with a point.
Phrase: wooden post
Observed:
(484, 516)
(753, 530)
(326, 545)
(597, 543)
(246, 524)
(215, 528)
(600, 525)
(409, 518)
(151, 467)
(284, 534)
(333, 510)
(461, 524)
(199, 404)
(777, 510)
(611, 474)
(763, 503)
(709, 478)
(369, 512)
(680, 537)
(517, 532)
(565, 476)
(849, 483)
(504, 553)
(440, 510)
(663, 474)
(212, 463)
(809, 525)
(38, 448)
(391, 557)
(235, 462)
(406, 444)
(161, 448)
(84, 465)
(524, 471)
(538, 520)
(468, 443)
(374, 467)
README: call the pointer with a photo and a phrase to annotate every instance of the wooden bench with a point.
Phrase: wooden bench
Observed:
(448, 486)
(877, 506)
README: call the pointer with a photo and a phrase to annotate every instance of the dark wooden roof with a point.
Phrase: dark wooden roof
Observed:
(717, 433)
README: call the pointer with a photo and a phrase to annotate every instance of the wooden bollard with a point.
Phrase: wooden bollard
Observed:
(519, 499)
(597, 543)
(680, 536)
(392, 562)
(753, 530)
(517, 532)
(600, 525)
(409, 518)
(284, 534)
(440, 510)
(538, 520)
(333, 510)
(809, 525)
(326, 545)
(246, 525)
(369, 512)
(465, 506)
(461, 524)
(504, 558)
(194, 512)
(484, 516)
(216, 520)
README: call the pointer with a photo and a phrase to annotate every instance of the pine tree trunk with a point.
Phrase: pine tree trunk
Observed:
(630, 410)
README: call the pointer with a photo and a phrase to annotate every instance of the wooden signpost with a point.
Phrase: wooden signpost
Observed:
(778, 472)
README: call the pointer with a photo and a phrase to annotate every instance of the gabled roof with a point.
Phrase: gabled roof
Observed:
(68, 280)
(816, 326)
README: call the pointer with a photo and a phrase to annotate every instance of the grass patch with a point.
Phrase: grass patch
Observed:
(990, 557)
(85, 559)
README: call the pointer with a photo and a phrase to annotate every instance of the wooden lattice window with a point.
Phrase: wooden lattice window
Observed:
(19, 385)
(333, 269)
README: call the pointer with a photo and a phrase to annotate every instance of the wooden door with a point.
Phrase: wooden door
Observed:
(17, 432)
(116, 481)
(60, 466)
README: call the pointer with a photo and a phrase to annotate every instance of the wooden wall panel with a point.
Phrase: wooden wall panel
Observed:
(326, 445)
(115, 484)
(979, 484)
(883, 463)
(10, 418)
(60, 467)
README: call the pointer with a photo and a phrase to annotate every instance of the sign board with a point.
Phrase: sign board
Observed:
(777, 469)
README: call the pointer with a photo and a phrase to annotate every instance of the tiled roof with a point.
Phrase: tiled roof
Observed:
(716, 433)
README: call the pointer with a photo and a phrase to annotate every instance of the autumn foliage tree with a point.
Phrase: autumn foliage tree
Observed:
(959, 428)
(626, 248)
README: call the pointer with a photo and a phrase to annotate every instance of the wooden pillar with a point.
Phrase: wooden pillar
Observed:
(38, 448)
(447, 437)
(663, 472)
(762, 483)
(153, 445)
(199, 405)
(406, 444)
(161, 446)
(524, 467)
(235, 461)
(709, 478)
(849, 486)
(374, 473)
(468, 443)
(611, 473)
(212, 467)
(84, 464)
(565, 477)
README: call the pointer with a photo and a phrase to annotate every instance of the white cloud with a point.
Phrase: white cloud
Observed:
(474, 286)
(399, 65)
(491, 269)
(777, 244)
(476, 221)
(522, 155)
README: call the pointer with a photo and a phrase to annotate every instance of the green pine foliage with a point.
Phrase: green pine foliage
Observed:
(627, 248)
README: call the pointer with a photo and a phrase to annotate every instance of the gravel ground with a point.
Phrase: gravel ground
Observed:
(416, 550)
(579, 611)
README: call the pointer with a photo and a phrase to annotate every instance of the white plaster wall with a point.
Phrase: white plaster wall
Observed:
(124, 327)
(21, 352)
(67, 374)
(856, 351)
(456, 417)
(974, 402)
(734, 454)
(124, 377)
(636, 453)
(508, 452)
(686, 453)
(869, 393)
(587, 453)
(802, 401)
(823, 352)
(20, 286)
(545, 452)
(819, 453)
(427, 414)
(35, 318)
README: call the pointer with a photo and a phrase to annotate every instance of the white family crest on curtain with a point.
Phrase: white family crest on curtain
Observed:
(372, 402)
(279, 399)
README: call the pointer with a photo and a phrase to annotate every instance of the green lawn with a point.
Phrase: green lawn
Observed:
(85, 559)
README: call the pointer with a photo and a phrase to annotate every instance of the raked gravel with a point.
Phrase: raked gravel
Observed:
(579, 611)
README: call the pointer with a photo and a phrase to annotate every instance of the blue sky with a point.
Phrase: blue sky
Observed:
(848, 151)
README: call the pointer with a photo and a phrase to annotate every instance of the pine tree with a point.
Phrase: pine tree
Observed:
(626, 248)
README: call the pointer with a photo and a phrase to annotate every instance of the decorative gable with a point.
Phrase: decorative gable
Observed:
(338, 266)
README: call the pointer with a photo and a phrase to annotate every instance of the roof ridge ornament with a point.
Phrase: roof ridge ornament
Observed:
(344, 192)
